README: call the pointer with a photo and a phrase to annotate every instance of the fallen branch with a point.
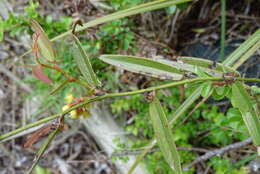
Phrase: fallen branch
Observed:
(218, 152)
(127, 153)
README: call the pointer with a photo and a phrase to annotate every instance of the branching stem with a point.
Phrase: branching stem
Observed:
(111, 95)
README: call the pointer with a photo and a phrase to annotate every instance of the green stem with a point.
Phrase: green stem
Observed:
(223, 29)
(39, 122)
(149, 6)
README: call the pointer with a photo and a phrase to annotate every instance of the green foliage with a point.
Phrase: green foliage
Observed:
(224, 166)
(41, 170)
(212, 126)
(124, 4)
(116, 36)
(19, 24)
(164, 136)
(219, 128)
(220, 92)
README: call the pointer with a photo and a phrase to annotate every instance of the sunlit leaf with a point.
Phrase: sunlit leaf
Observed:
(143, 66)
(45, 46)
(240, 99)
(38, 72)
(164, 136)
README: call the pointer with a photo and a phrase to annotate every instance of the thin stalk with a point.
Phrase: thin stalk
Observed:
(62, 85)
(150, 6)
(111, 95)
(223, 29)
(43, 148)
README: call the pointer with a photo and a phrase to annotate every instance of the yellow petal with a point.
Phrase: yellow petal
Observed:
(69, 98)
(66, 107)
(74, 114)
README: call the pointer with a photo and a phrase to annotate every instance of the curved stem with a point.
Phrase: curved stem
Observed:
(149, 6)
(36, 123)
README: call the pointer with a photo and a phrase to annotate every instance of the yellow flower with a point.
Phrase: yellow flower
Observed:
(66, 107)
(69, 98)
(74, 114)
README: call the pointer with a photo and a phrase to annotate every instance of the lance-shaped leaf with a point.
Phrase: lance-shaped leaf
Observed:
(38, 72)
(192, 64)
(1, 29)
(236, 55)
(43, 148)
(164, 136)
(248, 54)
(44, 44)
(149, 6)
(143, 66)
(206, 89)
(240, 99)
(178, 113)
(83, 63)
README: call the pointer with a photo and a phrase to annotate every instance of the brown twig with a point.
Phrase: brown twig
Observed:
(126, 153)
(218, 152)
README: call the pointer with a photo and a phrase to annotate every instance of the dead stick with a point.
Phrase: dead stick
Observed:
(220, 151)
(126, 153)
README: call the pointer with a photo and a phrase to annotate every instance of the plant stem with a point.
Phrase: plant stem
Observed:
(223, 29)
(149, 6)
(111, 95)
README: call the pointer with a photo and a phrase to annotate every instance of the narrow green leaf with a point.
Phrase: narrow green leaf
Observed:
(59, 87)
(155, 5)
(206, 64)
(206, 88)
(255, 89)
(242, 49)
(247, 54)
(199, 71)
(193, 64)
(178, 113)
(1, 29)
(143, 66)
(84, 64)
(46, 48)
(186, 105)
(240, 99)
(43, 148)
(164, 136)
(140, 157)
(41, 170)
